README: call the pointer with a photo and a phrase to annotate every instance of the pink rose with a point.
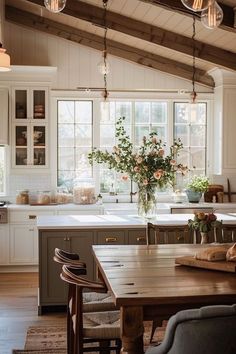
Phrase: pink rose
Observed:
(136, 169)
(161, 152)
(124, 178)
(154, 140)
(139, 159)
(157, 175)
(172, 162)
(145, 182)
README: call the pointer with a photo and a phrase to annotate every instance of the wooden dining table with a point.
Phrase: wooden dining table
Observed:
(146, 284)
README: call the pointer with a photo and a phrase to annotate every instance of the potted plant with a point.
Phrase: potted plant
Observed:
(195, 188)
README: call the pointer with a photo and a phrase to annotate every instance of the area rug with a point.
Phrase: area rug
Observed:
(52, 339)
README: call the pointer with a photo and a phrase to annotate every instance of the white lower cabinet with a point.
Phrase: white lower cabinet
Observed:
(24, 236)
(4, 244)
(23, 244)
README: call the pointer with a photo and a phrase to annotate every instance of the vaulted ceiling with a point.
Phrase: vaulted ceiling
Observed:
(153, 33)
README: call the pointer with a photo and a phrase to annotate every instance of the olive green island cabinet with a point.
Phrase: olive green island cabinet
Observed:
(79, 239)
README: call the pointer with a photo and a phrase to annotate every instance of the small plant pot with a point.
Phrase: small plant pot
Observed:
(193, 197)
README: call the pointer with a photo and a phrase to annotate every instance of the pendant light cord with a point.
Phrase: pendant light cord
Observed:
(105, 47)
(194, 94)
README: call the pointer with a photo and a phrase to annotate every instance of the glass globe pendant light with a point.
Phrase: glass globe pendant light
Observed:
(103, 65)
(213, 16)
(196, 5)
(55, 5)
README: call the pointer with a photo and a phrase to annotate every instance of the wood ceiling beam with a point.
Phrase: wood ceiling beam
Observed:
(176, 5)
(120, 50)
(149, 33)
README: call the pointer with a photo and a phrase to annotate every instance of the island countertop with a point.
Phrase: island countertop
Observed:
(89, 221)
(117, 221)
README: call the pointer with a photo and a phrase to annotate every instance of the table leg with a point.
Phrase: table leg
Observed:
(132, 330)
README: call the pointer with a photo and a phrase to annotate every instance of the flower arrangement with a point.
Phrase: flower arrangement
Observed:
(148, 166)
(204, 222)
(198, 184)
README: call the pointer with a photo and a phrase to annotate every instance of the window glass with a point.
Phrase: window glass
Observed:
(74, 140)
(75, 137)
(190, 126)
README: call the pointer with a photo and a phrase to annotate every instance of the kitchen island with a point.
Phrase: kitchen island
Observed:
(77, 233)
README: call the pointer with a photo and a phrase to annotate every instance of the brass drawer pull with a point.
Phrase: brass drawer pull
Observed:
(140, 239)
(111, 239)
(66, 239)
(32, 216)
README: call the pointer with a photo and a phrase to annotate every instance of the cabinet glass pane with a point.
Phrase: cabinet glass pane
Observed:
(39, 156)
(39, 135)
(39, 104)
(21, 156)
(21, 135)
(20, 104)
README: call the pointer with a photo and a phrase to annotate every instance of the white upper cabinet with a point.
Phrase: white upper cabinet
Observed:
(4, 137)
(29, 127)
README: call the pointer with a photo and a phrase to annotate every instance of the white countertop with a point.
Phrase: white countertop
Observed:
(130, 208)
(89, 221)
(117, 221)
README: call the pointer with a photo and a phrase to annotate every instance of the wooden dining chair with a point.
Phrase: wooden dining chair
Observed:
(92, 301)
(168, 234)
(93, 331)
(208, 330)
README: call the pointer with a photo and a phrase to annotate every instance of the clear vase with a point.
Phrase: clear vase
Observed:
(147, 201)
(204, 237)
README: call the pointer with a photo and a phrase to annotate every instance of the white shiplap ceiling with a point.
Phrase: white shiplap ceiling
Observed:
(151, 14)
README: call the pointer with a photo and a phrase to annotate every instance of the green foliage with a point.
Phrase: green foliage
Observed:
(204, 222)
(147, 165)
(198, 184)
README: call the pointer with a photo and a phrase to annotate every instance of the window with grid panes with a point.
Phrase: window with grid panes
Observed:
(190, 125)
(75, 125)
(75, 120)
(141, 118)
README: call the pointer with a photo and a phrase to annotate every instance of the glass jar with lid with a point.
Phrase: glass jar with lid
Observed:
(43, 197)
(84, 191)
(22, 197)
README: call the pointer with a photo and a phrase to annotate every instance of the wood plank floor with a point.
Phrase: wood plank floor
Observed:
(18, 309)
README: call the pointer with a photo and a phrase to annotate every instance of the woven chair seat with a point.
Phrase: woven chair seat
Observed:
(93, 302)
(105, 325)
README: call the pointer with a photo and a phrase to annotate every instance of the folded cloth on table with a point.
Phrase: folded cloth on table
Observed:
(231, 254)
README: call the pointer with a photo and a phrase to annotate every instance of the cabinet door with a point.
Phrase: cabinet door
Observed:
(29, 103)
(4, 244)
(81, 242)
(107, 237)
(53, 290)
(22, 244)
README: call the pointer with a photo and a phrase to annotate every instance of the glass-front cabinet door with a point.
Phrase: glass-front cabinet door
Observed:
(29, 127)
(30, 145)
(29, 103)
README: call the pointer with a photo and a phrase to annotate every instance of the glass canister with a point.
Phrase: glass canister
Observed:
(84, 191)
(62, 196)
(22, 197)
(43, 197)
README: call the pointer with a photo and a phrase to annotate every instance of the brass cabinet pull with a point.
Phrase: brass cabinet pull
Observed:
(140, 239)
(66, 239)
(111, 239)
(32, 216)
